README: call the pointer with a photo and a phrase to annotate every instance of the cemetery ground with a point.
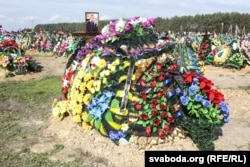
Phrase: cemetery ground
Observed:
(31, 136)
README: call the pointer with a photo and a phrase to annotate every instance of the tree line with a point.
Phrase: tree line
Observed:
(220, 22)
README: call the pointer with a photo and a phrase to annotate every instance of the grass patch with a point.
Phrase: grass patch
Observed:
(26, 158)
(32, 91)
(10, 131)
(14, 151)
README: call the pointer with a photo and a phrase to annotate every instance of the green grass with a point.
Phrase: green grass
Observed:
(29, 96)
(32, 91)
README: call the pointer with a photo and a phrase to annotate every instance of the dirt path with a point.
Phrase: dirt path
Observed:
(101, 151)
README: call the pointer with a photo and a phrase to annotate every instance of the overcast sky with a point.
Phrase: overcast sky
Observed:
(20, 14)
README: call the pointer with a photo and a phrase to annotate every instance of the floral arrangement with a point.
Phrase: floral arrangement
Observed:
(158, 106)
(245, 46)
(14, 64)
(12, 58)
(205, 47)
(126, 83)
(126, 28)
(201, 100)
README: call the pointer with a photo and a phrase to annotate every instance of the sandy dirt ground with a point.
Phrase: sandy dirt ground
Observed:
(101, 151)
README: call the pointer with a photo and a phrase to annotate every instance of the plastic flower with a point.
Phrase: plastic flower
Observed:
(226, 119)
(90, 84)
(86, 126)
(192, 89)
(125, 27)
(161, 133)
(188, 77)
(206, 103)
(184, 100)
(86, 98)
(224, 107)
(148, 131)
(87, 77)
(200, 100)
(99, 105)
(113, 135)
(214, 96)
(205, 83)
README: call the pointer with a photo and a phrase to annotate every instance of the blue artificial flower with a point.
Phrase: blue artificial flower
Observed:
(178, 61)
(102, 99)
(113, 135)
(206, 103)
(184, 100)
(99, 105)
(104, 106)
(184, 93)
(224, 107)
(178, 114)
(109, 94)
(177, 91)
(192, 89)
(226, 119)
(195, 80)
(90, 106)
(198, 98)
(96, 112)
(121, 134)
(95, 101)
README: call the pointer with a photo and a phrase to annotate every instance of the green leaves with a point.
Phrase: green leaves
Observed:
(144, 123)
(89, 118)
(196, 109)
(98, 123)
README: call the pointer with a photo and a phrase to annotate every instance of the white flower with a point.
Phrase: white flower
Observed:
(74, 65)
(95, 60)
(105, 29)
(142, 20)
(120, 25)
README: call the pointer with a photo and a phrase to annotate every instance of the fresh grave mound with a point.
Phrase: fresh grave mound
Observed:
(128, 84)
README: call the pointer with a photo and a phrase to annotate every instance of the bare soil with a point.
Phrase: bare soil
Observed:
(101, 151)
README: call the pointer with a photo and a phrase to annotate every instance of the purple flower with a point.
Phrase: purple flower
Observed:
(152, 21)
(184, 100)
(145, 24)
(128, 27)
(117, 33)
(100, 37)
